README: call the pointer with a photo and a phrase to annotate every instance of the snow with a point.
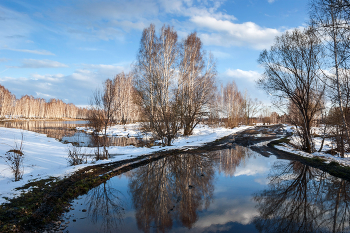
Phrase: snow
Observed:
(328, 145)
(47, 157)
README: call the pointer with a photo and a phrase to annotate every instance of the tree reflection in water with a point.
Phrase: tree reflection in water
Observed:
(106, 207)
(230, 159)
(303, 199)
(176, 188)
(53, 129)
(66, 132)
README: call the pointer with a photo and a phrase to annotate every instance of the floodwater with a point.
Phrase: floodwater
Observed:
(65, 132)
(53, 129)
(228, 190)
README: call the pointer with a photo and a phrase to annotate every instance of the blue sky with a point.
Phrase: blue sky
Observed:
(66, 48)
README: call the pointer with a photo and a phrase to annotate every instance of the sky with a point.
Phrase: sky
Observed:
(65, 49)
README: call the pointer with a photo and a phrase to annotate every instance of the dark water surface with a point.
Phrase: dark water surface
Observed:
(230, 190)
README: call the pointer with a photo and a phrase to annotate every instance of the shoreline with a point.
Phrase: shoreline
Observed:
(329, 164)
(39, 119)
(43, 201)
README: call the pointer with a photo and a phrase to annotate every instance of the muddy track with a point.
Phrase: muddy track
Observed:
(37, 210)
(273, 136)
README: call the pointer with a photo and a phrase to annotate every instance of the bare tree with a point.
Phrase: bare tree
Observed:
(102, 113)
(231, 104)
(174, 82)
(265, 115)
(103, 108)
(108, 103)
(196, 82)
(292, 73)
(126, 110)
(330, 19)
(251, 107)
(155, 82)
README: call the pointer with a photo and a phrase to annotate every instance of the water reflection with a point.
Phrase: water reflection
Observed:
(172, 188)
(106, 206)
(177, 193)
(176, 188)
(91, 140)
(65, 131)
(229, 159)
(303, 199)
(165, 195)
(53, 129)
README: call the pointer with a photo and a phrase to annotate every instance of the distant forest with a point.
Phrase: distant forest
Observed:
(29, 107)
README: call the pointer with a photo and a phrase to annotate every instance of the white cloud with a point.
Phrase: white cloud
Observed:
(4, 59)
(260, 166)
(91, 76)
(262, 180)
(77, 87)
(33, 63)
(108, 71)
(43, 95)
(250, 75)
(241, 210)
(40, 52)
(48, 77)
(188, 9)
(219, 54)
(83, 75)
(226, 33)
(103, 20)
(112, 20)
(271, 1)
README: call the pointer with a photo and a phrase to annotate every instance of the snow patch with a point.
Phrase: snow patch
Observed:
(45, 157)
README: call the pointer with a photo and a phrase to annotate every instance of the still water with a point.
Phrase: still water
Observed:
(65, 132)
(229, 190)
(53, 129)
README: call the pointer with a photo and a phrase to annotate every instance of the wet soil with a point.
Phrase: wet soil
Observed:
(39, 209)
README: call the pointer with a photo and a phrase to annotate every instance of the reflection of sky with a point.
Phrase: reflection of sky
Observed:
(232, 208)
(255, 165)
(233, 205)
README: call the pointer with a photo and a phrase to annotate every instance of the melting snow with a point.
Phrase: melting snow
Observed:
(45, 157)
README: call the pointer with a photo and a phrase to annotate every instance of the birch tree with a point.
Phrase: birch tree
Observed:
(196, 82)
(126, 110)
(232, 104)
(174, 82)
(155, 82)
(251, 107)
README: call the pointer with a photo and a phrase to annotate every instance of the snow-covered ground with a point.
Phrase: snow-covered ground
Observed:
(45, 157)
(327, 145)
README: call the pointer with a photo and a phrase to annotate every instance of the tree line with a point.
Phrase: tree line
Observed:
(172, 87)
(307, 71)
(29, 107)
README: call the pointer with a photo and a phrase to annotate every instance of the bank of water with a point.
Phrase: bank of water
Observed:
(66, 132)
(228, 190)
